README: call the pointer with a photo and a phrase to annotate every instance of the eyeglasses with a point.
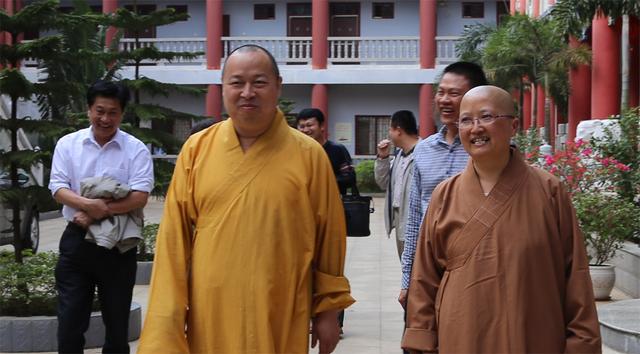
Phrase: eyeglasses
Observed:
(485, 119)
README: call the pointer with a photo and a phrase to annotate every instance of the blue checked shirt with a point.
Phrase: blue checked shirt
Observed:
(434, 161)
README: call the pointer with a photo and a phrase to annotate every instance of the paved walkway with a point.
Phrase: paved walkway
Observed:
(372, 325)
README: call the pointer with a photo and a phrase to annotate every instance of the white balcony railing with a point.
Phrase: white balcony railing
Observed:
(297, 50)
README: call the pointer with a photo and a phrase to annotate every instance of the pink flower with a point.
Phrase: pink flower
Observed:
(605, 162)
(549, 160)
(622, 167)
(587, 152)
(579, 143)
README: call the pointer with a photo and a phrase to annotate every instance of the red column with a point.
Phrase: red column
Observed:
(425, 108)
(526, 108)
(9, 8)
(553, 125)
(540, 97)
(319, 34)
(580, 96)
(109, 6)
(213, 105)
(634, 61)
(523, 6)
(536, 8)
(320, 100)
(2, 34)
(512, 7)
(605, 68)
(428, 28)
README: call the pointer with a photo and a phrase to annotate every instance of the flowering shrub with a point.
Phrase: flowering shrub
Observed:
(581, 170)
(606, 218)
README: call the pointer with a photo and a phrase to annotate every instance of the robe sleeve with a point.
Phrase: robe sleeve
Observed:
(164, 327)
(581, 318)
(421, 333)
(330, 287)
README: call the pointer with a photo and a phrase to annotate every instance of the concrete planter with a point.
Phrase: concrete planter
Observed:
(143, 274)
(627, 262)
(39, 333)
(603, 277)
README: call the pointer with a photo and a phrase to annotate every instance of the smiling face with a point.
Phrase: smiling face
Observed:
(250, 91)
(105, 115)
(449, 95)
(487, 142)
(312, 128)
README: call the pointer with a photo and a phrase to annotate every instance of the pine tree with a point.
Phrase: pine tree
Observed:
(138, 112)
(37, 16)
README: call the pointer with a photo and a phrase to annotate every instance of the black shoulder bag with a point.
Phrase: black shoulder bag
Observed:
(356, 212)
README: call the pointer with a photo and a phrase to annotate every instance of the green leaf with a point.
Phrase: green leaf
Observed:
(154, 88)
(24, 159)
(153, 111)
(14, 84)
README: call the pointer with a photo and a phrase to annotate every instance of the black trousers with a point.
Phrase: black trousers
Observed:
(81, 268)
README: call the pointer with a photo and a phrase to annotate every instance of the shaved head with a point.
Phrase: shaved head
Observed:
(500, 98)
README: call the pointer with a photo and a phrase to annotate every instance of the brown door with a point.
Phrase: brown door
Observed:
(299, 25)
(149, 32)
(344, 22)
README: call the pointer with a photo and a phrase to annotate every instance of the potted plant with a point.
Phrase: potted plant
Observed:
(605, 217)
(146, 252)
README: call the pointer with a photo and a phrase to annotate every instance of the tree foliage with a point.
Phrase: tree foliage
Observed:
(15, 162)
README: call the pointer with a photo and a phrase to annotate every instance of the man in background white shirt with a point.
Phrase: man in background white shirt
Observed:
(101, 150)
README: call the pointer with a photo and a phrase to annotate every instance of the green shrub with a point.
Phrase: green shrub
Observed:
(365, 179)
(606, 221)
(28, 288)
(147, 247)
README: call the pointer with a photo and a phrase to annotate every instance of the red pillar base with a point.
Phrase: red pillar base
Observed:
(214, 102)
(540, 97)
(427, 124)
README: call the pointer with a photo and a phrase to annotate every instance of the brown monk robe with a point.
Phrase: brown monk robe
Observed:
(501, 264)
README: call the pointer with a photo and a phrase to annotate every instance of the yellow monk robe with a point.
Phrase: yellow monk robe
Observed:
(267, 250)
(519, 286)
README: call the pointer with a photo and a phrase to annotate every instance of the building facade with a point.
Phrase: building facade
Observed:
(358, 61)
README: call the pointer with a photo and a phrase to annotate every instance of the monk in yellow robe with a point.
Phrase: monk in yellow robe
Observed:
(252, 241)
(501, 266)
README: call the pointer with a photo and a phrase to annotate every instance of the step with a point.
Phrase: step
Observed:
(620, 325)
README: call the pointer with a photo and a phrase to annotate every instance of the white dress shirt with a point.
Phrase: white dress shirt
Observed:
(78, 156)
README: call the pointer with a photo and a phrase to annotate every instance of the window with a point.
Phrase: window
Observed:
(264, 12)
(382, 10)
(472, 10)
(370, 130)
(179, 9)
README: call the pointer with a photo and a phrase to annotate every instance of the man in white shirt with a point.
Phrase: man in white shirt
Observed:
(101, 150)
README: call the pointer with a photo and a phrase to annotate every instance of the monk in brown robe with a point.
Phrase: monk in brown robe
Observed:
(501, 265)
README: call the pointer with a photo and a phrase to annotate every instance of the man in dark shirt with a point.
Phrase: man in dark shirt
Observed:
(311, 122)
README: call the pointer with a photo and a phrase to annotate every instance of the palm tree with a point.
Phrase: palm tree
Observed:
(524, 50)
(574, 18)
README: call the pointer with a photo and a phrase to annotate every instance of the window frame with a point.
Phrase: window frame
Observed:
(376, 138)
(382, 6)
(270, 9)
(468, 5)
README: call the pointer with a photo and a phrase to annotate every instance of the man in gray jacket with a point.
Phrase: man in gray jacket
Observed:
(394, 174)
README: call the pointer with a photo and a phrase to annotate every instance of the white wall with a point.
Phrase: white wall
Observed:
(347, 101)
(241, 22)
(450, 21)
(405, 21)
